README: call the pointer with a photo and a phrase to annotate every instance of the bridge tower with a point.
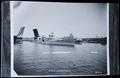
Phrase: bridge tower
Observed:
(18, 38)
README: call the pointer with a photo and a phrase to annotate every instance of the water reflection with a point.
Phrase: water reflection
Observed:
(36, 59)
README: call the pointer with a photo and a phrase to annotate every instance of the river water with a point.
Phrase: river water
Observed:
(32, 58)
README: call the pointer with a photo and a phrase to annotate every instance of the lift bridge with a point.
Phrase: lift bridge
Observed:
(36, 34)
(18, 38)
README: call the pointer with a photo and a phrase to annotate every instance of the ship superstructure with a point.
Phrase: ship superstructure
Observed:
(51, 40)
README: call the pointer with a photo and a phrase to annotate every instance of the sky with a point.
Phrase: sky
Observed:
(83, 20)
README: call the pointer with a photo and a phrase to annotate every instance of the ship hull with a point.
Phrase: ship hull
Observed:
(57, 43)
